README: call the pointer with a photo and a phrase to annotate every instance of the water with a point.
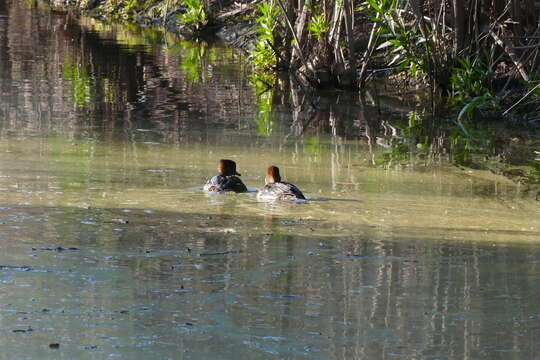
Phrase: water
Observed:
(109, 249)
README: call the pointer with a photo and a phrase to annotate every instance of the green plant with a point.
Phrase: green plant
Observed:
(132, 5)
(407, 45)
(318, 26)
(472, 78)
(478, 103)
(195, 14)
(263, 55)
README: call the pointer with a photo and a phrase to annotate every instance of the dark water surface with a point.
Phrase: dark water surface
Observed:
(108, 248)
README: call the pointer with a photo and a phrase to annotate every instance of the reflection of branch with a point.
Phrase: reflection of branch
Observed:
(304, 125)
(289, 67)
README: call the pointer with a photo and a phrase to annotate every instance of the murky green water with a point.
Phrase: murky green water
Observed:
(109, 249)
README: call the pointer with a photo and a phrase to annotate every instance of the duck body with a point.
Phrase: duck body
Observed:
(275, 189)
(280, 191)
(226, 180)
(220, 183)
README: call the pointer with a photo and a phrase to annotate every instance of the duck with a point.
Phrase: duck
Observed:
(227, 179)
(275, 189)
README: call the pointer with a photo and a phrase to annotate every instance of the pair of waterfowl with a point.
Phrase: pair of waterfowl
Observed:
(274, 189)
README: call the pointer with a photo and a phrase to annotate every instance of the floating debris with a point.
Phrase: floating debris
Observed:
(221, 230)
(15, 267)
(88, 222)
(361, 256)
(59, 249)
(54, 346)
(91, 347)
(117, 221)
(22, 330)
(160, 170)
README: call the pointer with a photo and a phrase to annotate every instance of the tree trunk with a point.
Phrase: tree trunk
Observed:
(348, 78)
(459, 25)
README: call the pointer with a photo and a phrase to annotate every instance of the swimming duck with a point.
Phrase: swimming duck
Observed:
(227, 180)
(275, 189)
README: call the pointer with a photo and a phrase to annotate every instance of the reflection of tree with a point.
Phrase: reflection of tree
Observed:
(80, 80)
(115, 86)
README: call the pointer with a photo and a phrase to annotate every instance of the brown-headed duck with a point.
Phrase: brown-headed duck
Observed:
(275, 189)
(227, 179)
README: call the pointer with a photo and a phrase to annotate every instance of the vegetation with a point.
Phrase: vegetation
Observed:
(478, 59)
(460, 48)
(195, 14)
(263, 56)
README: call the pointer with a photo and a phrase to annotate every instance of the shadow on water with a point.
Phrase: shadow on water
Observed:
(320, 198)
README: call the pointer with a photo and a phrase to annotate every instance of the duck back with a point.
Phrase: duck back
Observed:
(221, 183)
(280, 191)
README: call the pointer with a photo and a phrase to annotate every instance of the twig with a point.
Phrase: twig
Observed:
(291, 71)
(367, 54)
(512, 55)
(520, 100)
(297, 42)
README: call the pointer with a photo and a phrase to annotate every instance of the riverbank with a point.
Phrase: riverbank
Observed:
(350, 49)
(507, 145)
(230, 21)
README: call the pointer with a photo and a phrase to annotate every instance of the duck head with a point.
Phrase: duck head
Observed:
(227, 168)
(272, 175)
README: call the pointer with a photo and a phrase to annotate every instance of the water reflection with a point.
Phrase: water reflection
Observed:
(138, 83)
(146, 282)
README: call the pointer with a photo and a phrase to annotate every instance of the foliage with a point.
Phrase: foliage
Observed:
(472, 78)
(263, 55)
(475, 105)
(318, 26)
(471, 88)
(408, 47)
(126, 9)
(195, 14)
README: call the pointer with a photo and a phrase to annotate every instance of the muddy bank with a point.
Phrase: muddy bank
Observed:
(231, 21)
